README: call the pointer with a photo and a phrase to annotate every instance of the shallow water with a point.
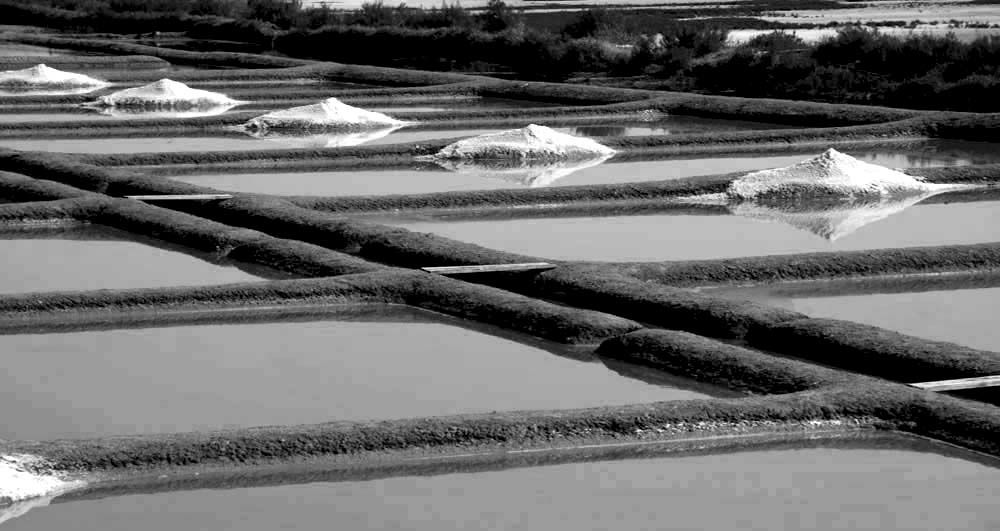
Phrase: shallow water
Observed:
(184, 378)
(100, 258)
(814, 488)
(936, 153)
(93, 116)
(964, 316)
(10, 49)
(234, 142)
(695, 237)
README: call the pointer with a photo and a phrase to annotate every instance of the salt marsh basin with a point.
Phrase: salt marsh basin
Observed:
(829, 488)
(404, 363)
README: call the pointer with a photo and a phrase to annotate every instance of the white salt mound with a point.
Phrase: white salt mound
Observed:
(43, 76)
(327, 114)
(531, 173)
(531, 142)
(19, 479)
(165, 93)
(832, 175)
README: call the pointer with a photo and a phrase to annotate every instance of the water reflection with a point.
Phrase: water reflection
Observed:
(162, 112)
(23, 91)
(325, 140)
(829, 221)
(531, 173)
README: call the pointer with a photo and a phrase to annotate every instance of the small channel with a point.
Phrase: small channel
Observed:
(808, 487)
(381, 182)
(696, 237)
(400, 363)
(87, 258)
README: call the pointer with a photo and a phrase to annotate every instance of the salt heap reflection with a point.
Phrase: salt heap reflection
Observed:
(531, 173)
(830, 195)
(534, 142)
(325, 140)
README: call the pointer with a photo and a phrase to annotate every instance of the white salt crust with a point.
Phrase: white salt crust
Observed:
(832, 174)
(22, 477)
(327, 114)
(533, 142)
(41, 76)
(165, 93)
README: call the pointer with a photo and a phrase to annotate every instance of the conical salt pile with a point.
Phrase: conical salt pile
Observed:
(165, 93)
(328, 114)
(832, 175)
(43, 76)
(532, 142)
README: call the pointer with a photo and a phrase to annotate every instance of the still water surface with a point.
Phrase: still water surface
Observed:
(100, 258)
(964, 316)
(816, 488)
(428, 181)
(695, 237)
(187, 378)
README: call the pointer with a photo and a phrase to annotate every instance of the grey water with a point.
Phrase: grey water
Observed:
(646, 238)
(781, 489)
(388, 182)
(963, 316)
(403, 364)
(101, 258)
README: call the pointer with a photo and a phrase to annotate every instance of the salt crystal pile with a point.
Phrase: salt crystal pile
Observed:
(165, 93)
(42, 76)
(534, 142)
(23, 477)
(328, 114)
(832, 175)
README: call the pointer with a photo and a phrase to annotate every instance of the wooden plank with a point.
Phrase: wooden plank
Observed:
(191, 197)
(493, 268)
(957, 385)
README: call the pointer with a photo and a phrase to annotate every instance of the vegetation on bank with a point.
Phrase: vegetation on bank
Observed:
(647, 48)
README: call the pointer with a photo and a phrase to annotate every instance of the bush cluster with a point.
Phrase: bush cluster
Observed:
(861, 65)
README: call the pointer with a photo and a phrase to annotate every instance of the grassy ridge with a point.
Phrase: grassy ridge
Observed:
(667, 307)
(841, 264)
(713, 361)
(520, 197)
(961, 422)
(131, 63)
(17, 187)
(44, 212)
(452, 297)
(875, 351)
(227, 59)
